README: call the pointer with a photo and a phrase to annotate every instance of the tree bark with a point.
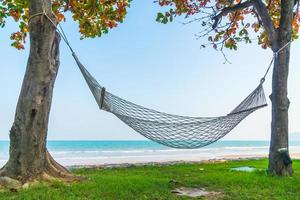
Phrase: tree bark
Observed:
(28, 155)
(279, 159)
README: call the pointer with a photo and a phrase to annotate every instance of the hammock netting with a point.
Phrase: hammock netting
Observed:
(173, 130)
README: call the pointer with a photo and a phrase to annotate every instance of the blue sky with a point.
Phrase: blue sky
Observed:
(158, 66)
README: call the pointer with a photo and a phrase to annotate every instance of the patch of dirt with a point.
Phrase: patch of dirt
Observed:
(197, 192)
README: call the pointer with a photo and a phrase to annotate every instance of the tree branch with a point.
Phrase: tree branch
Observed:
(266, 20)
(286, 20)
(227, 10)
(261, 11)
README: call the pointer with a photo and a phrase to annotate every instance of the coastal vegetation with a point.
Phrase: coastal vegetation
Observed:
(157, 182)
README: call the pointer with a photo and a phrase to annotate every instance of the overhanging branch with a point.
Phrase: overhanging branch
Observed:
(266, 19)
(227, 10)
(261, 11)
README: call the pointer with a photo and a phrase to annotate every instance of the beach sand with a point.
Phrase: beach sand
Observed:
(136, 163)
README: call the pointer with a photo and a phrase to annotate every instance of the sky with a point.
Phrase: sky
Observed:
(154, 65)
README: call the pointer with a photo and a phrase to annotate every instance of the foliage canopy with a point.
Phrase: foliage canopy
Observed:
(95, 17)
(227, 22)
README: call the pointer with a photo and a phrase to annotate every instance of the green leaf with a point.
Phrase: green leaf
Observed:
(159, 17)
(164, 20)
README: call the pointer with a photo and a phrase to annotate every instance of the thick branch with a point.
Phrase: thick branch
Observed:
(266, 20)
(286, 19)
(227, 10)
(261, 11)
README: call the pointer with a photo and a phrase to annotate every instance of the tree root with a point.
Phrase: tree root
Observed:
(58, 172)
(52, 171)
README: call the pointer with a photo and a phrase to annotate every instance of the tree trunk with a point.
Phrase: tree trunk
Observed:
(279, 159)
(28, 155)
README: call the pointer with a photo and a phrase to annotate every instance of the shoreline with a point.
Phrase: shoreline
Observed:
(99, 155)
(160, 161)
(226, 158)
(168, 162)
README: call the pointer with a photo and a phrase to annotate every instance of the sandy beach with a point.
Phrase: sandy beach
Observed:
(136, 163)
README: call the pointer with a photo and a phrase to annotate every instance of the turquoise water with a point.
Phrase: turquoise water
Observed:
(128, 145)
(104, 152)
(59, 146)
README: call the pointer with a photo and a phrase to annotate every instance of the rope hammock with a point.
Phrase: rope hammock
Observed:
(171, 130)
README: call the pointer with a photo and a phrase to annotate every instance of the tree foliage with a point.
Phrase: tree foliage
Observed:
(227, 22)
(95, 17)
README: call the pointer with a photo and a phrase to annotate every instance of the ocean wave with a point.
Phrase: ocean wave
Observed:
(138, 151)
(124, 151)
(126, 157)
(245, 148)
(150, 150)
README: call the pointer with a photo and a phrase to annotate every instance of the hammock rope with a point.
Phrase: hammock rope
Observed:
(171, 130)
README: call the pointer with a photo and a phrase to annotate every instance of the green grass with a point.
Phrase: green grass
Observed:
(154, 182)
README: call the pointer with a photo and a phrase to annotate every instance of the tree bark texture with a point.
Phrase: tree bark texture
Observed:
(28, 155)
(279, 159)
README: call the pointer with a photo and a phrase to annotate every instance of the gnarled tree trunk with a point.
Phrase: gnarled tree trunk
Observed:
(279, 159)
(28, 155)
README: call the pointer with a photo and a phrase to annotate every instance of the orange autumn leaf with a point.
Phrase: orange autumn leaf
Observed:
(94, 17)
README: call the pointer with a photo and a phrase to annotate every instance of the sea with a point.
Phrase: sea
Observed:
(74, 153)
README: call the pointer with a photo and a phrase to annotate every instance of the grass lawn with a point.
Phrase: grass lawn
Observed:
(156, 182)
